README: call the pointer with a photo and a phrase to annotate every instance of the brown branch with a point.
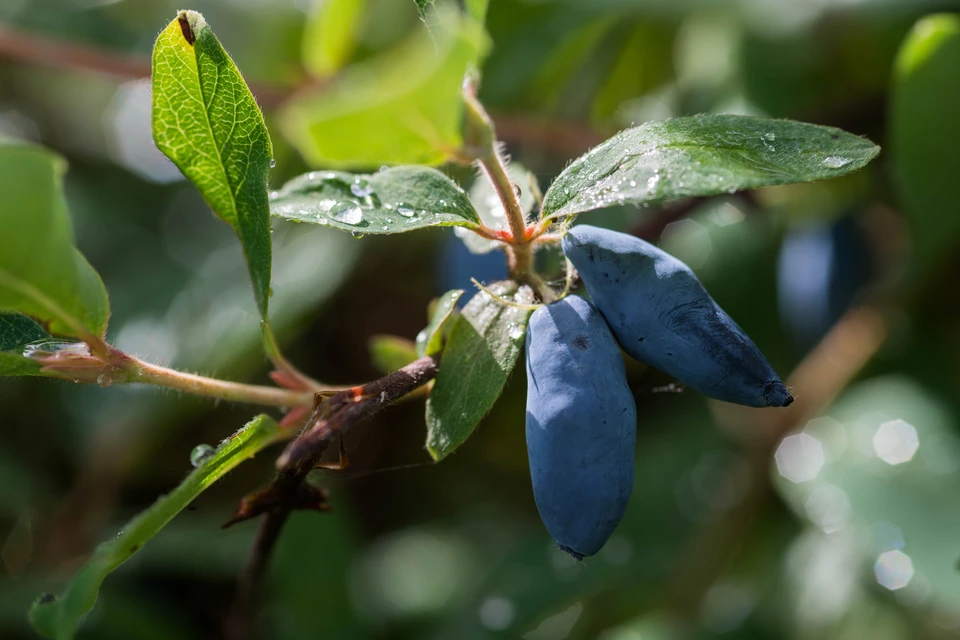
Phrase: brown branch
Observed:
(289, 491)
(818, 380)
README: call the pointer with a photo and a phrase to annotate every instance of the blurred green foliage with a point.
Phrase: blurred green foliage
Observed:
(455, 550)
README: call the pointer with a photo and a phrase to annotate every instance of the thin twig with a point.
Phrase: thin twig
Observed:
(289, 491)
(241, 622)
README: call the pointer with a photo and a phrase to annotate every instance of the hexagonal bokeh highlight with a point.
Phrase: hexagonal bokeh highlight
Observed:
(893, 569)
(896, 442)
(800, 457)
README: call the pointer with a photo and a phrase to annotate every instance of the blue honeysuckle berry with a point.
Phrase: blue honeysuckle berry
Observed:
(581, 425)
(662, 316)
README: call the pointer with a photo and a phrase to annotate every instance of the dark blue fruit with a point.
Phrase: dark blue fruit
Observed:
(581, 425)
(662, 316)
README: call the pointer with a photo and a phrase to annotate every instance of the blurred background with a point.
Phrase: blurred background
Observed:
(840, 519)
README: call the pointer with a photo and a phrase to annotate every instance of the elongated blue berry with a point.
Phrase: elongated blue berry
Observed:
(662, 316)
(581, 425)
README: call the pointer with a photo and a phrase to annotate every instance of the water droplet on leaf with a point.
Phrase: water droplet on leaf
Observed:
(273, 163)
(836, 162)
(515, 331)
(347, 212)
(200, 454)
(361, 188)
(405, 210)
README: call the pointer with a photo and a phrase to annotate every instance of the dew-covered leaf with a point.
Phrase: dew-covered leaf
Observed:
(393, 200)
(924, 132)
(703, 156)
(208, 123)
(390, 353)
(41, 273)
(480, 354)
(430, 340)
(59, 618)
(402, 108)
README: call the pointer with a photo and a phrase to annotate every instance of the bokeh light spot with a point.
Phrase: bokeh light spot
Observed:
(893, 569)
(800, 457)
(896, 442)
(496, 613)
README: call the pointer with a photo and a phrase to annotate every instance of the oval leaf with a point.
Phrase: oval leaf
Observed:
(58, 618)
(390, 201)
(479, 356)
(403, 108)
(208, 123)
(430, 340)
(703, 156)
(925, 128)
(41, 273)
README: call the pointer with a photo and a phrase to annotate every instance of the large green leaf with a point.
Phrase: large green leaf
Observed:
(330, 35)
(208, 123)
(403, 108)
(390, 201)
(925, 131)
(703, 156)
(16, 332)
(479, 356)
(430, 340)
(58, 618)
(41, 273)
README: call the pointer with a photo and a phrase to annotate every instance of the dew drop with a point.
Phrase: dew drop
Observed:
(104, 380)
(274, 195)
(356, 234)
(200, 454)
(361, 188)
(836, 162)
(515, 331)
(347, 212)
(273, 163)
(405, 210)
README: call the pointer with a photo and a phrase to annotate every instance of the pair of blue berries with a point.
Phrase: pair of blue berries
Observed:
(581, 416)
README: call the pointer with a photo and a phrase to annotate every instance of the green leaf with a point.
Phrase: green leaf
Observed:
(924, 132)
(390, 201)
(207, 122)
(41, 273)
(16, 332)
(479, 356)
(390, 353)
(477, 9)
(430, 340)
(703, 156)
(330, 35)
(403, 108)
(487, 203)
(59, 618)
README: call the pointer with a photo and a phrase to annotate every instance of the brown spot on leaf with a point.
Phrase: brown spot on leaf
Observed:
(188, 34)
